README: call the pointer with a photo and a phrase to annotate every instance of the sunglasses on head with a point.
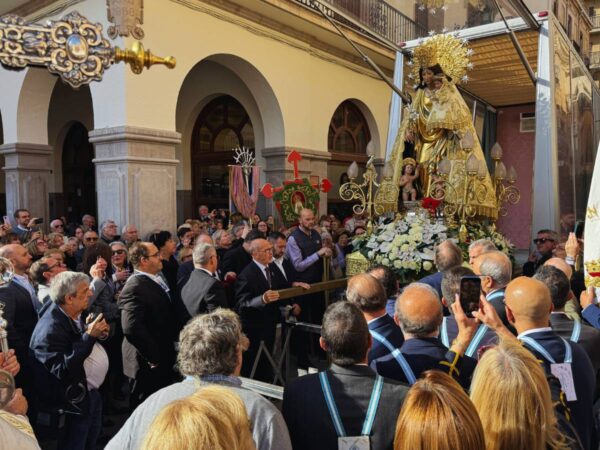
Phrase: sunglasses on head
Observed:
(542, 240)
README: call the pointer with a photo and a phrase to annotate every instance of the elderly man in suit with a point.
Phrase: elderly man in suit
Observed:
(256, 291)
(419, 315)
(367, 292)
(20, 309)
(349, 387)
(72, 363)
(149, 325)
(203, 292)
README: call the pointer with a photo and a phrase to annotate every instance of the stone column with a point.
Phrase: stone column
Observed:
(278, 169)
(27, 168)
(135, 176)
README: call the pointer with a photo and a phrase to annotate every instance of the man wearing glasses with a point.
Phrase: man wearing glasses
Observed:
(149, 325)
(545, 243)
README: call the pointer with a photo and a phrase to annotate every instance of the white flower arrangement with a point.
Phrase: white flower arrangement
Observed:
(406, 245)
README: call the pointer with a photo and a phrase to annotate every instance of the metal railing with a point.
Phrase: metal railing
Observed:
(373, 15)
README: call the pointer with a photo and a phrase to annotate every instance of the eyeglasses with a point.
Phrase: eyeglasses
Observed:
(118, 252)
(542, 240)
(267, 250)
(91, 239)
(60, 225)
(153, 256)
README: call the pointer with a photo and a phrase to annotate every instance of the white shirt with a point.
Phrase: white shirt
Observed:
(203, 269)
(279, 263)
(376, 318)
(156, 278)
(533, 330)
(96, 366)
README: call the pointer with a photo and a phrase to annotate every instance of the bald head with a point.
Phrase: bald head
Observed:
(447, 254)
(366, 292)
(529, 302)
(561, 265)
(204, 238)
(419, 311)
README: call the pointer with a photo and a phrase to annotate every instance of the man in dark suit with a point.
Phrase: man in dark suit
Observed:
(149, 325)
(203, 292)
(575, 331)
(495, 270)
(351, 383)
(237, 258)
(449, 329)
(256, 291)
(366, 292)
(447, 254)
(283, 269)
(186, 269)
(419, 315)
(528, 307)
(20, 310)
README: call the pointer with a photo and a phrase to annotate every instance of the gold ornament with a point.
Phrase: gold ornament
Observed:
(451, 53)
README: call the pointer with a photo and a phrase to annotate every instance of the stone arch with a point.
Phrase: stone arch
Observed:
(33, 106)
(371, 123)
(226, 74)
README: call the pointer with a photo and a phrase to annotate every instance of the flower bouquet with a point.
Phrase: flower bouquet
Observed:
(405, 245)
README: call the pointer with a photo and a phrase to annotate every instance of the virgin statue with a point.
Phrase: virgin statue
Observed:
(438, 123)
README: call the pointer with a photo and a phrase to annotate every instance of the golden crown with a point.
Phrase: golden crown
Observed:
(593, 267)
(451, 53)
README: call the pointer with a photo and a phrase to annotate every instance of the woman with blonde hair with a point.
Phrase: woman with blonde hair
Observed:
(438, 415)
(512, 395)
(214, 418)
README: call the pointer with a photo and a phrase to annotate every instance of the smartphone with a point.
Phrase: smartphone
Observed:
(6, 220)
(578, 230)
(38, 221)
(470, 290)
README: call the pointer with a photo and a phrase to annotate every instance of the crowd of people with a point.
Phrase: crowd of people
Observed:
(171, 322)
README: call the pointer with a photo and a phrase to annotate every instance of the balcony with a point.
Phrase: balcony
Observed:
(595, 23)
(375, 15)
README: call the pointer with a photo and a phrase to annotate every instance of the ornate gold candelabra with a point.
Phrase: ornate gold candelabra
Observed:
(462, 192)
(371, 203)
(72, 48)
(504, 181)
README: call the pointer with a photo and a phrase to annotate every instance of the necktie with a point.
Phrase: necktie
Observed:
(268, 275)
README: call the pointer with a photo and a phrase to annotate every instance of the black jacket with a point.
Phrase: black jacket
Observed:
(307, 416)
(203, 293)
(149, 325)
(235, 260)
(21, 317)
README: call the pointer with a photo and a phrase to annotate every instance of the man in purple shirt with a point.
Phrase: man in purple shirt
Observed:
(305, 250)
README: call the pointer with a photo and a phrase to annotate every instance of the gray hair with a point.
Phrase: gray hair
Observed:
(66, 283)
(447, 254)
(202, 253)
(485, 244)
(422, 326)
(497, 266)
(125, 228)
(209, 344)
(107, 222)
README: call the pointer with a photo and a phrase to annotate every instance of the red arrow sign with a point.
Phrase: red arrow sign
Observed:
(294, 158)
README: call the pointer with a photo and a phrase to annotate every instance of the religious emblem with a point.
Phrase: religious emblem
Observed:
(127, 16)
(295, 194)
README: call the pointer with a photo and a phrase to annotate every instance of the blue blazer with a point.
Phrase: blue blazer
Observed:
(59, 349)
(385, 326)
(489, 338)
(584, 379)
(423, 354)
(435, 281)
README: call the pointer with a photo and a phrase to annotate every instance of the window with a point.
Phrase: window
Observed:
(222, 125)
(348, 130)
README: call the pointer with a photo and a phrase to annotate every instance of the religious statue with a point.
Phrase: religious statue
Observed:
(410, 172)
(439, 124)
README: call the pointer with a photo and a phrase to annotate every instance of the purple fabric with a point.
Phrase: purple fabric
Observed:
(295, 256)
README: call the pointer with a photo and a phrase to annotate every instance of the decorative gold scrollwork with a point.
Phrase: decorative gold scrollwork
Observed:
(72, 47)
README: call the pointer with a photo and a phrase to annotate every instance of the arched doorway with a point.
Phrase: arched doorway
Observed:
(347, 141)
(79, 180)
(222, 125)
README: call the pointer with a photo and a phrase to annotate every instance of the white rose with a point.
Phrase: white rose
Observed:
(427, 266)
(398, 264)
(385, 261)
